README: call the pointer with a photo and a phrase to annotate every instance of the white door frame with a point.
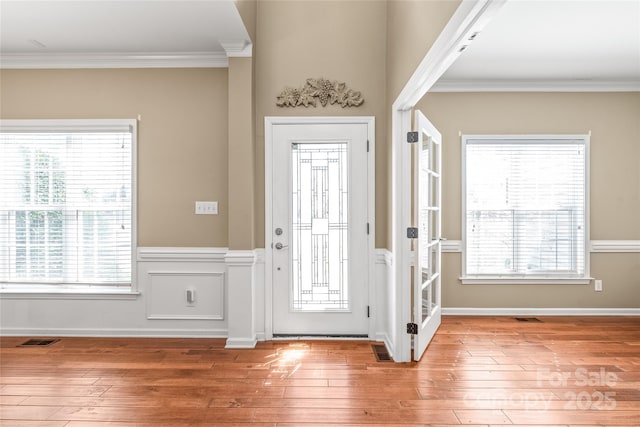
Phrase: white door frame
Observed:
(269, 122)
(470, 17)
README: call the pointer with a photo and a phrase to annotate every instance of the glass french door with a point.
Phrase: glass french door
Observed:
(427, 214)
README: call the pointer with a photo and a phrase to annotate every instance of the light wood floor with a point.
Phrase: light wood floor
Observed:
(478, 371)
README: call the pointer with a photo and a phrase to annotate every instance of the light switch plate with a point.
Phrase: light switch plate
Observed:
(206, 208)
(598, 285)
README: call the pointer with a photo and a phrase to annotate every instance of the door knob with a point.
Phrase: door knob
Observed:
(280, 246)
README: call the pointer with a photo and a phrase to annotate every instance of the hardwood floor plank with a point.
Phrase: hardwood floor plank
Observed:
(52, 390)
(164, 424)
(26, 413)
(305, 403)
(481, 416)
(609, 418)
(16, 423)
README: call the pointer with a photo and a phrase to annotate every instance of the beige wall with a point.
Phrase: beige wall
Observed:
(613, 121)
(337, 40)
(412, 28)
(182, 137)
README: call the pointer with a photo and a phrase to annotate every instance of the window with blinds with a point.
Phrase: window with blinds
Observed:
(66, 202)
(525, 206)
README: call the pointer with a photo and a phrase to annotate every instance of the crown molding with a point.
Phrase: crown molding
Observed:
(237, 48)
(116, 60)
(536, 86)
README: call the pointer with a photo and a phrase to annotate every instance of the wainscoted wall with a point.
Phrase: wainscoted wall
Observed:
(158, 307)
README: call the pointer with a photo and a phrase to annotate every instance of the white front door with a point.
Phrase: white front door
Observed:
(427, 214)
(319, 236)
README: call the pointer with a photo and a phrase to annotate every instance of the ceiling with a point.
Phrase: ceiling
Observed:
(559, 44)
(103, 32)
(530, 44)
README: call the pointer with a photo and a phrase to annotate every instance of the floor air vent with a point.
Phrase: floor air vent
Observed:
(38, 343)
(381, 353)
(527, 319)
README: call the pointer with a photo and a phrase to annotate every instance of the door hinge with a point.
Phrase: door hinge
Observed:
(367, 228)
(412, 232)
(412, 137)
(367, 145)
(368, 311)
(412, 328)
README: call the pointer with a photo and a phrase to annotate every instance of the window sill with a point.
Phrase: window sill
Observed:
(502, 280)
(67, 292)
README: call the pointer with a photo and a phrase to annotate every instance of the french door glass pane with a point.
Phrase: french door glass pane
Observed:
(319, 227)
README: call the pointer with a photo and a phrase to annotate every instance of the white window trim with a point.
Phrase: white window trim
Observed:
(80, 291)
(538, 279)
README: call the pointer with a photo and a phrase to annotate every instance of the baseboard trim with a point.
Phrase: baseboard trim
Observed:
(241, 343)
(471, 311)
(116, 333)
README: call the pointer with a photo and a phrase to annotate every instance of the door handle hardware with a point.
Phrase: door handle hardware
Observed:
(281, 246)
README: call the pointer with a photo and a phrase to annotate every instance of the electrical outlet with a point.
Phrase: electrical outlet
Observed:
(191, 297)
(598, 285)
(206, 208)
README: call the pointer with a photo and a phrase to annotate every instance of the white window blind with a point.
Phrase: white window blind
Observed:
(525, 202)
(66, 196)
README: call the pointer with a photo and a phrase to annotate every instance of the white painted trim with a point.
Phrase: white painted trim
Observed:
(237, 48)
(617, 246)
(506, 280)
(240, 258)
(259, 255)
(401, 219)
(535, 86)
(319, 120)
(159, 316)
(241, 298)
(66, 293)
(169, 254)
(470, 17)
(271, 121)
(471, 311)
(451, 245)
(115, 60)
(383, 256)
(115, 333)
(74, 291)
(241, 343)
(595, 246)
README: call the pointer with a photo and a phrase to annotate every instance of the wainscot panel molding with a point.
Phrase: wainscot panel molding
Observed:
(451, 245)
(595, 246)
(158, 307)
(471, 311)
(171, 254)
(168, 295)
(615, 246)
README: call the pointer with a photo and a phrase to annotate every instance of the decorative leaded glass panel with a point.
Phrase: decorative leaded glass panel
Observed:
(319, 227)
